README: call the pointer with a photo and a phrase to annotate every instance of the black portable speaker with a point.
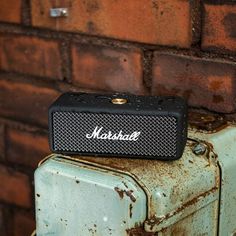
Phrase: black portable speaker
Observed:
(118, 125)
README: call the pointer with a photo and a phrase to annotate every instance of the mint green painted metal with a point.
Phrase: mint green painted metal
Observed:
(176, 191)
(127, 196)
(77, 199)
(227, 162)
(224, 145)
(88, 196)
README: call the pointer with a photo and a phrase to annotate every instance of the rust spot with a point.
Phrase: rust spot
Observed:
(175, 230)
(179, 231)
(93, 231)
(120, 192)
(157, 220)
(128, 193)
(130, 210)
(125, 184)
(139, 231)
(207, 122)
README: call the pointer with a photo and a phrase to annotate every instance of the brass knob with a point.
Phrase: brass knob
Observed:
(119, 101)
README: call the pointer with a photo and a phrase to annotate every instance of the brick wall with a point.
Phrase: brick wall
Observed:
(156, 47)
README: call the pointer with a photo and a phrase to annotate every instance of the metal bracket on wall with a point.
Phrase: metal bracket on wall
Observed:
(58, 12)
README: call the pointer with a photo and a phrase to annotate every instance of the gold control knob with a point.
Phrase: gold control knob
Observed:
(119, 101)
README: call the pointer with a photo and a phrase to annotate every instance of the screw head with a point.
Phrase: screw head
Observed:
(63, 12)
(199, 149)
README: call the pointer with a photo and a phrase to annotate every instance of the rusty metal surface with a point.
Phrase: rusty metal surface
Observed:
(206, 122)
(201, 222)
(181, 197)
(224, 144)
(139, 231)
(77, 199)
(174, 189)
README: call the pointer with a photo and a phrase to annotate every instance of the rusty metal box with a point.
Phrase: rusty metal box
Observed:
(195, 195)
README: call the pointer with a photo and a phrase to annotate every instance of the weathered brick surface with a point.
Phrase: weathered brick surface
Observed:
(103, 68)
(26, 102)
(6, 220)
(10, 11)
(15, 187)
(24, 223)
(205, 83)
(2, 141)
(2, 222)
(157, 22)
(26, 147)
(219, 31)
(30, 55)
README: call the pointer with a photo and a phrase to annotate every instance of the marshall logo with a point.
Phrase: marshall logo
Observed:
(98, 134)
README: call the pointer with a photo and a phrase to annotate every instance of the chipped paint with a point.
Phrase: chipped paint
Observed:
(207, 122)
(179, 197)
(152, 221)
(139, 231)
(224, 145)
(120, 192)
(161, 180)
(95, 194)
(128, 193)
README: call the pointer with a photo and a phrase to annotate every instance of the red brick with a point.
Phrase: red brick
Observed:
(2, 142)
(164, 22)
(10, 11)
(24, 223)
(219, 31)
(25, 102)
(2, 222)
(103, 68)
(26, 148)
(30, 55)
(15, 187)
(205, 83)
(6, 222)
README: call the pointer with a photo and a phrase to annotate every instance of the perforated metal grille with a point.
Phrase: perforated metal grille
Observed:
(158, 134)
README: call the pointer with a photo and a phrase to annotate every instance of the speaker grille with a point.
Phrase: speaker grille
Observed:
(158, 134)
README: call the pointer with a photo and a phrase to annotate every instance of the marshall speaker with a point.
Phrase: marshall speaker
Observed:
(118, 125)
